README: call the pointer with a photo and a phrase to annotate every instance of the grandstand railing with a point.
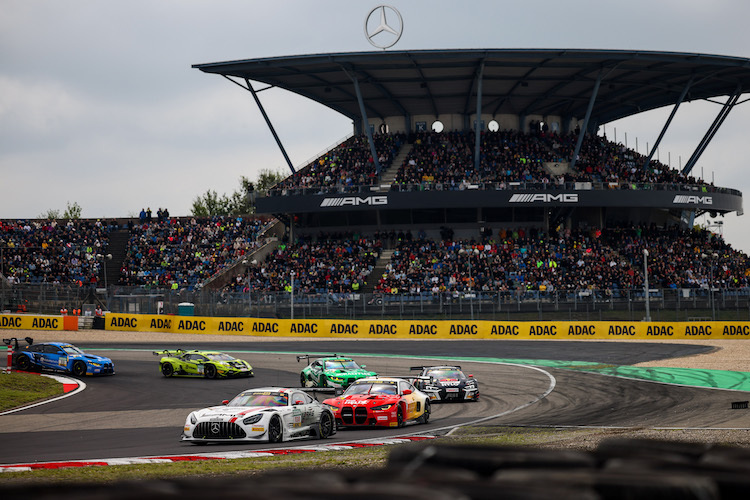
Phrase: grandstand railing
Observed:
(501, 186)
(729, 304)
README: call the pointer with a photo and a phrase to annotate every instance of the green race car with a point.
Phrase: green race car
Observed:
(208, 364)
(332, 371)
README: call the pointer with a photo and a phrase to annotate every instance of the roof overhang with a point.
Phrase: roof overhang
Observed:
(557, 82)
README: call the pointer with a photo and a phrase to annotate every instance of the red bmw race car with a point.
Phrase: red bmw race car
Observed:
(380, 401)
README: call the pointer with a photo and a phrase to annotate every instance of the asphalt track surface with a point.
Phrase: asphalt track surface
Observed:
(138, 412)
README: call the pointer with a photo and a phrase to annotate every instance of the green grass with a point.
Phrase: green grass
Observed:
(18, 389)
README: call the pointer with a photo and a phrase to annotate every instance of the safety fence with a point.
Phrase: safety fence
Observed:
(689, 304)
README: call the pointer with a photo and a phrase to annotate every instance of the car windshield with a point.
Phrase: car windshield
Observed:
(260, 399)
(219, 356)
(71, 349)
(446, 373)
(342, 364)
(372, 388)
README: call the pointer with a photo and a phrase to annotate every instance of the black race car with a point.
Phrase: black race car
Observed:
(446, 383)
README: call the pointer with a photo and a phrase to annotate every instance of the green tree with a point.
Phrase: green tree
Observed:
(241, 201)
(50, 214)
(268, 178)
(210, 204)
(72, 211)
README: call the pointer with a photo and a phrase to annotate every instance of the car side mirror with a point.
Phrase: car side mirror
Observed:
(407, 392)
(471, 376)
(299, 402)
(225, 402)
(363, 366)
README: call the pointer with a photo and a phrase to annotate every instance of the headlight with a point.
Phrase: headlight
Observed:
(431, 388)
(336, 379)
(252, 420)
(95, 364)
(193, 419)
(382, 407)
(332, 407)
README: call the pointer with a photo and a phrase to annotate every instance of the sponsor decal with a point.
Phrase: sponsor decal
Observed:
(10, 322)
(693, 200)
(544, 198)
(354, 201)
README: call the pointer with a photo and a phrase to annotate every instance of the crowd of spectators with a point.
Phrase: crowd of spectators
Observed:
(330, 263)
(346, 166)
(570, 261)
(50, 251)
(446, 161)
(175, 253)
(178, 253)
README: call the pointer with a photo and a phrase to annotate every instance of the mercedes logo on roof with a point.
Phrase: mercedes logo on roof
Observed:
(383, 29)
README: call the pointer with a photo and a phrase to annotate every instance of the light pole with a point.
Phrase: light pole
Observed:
(714, 256)
(104, 259)
(645, 284)
(291, 303)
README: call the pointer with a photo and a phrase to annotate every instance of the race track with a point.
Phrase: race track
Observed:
(138, 412)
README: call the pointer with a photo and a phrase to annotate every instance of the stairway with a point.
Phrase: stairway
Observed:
(377, 271)
(118, 245)
(388, 176)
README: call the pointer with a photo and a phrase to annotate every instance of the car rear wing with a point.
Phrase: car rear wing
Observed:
(170, 352)
(14, 341)
(336, 391)
(307, 357)
(434, 366)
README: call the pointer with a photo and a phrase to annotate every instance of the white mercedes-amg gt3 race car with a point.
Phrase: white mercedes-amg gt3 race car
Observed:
(272, 414)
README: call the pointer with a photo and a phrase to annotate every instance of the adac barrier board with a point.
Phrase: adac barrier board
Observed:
(333, 328)
(34, 322)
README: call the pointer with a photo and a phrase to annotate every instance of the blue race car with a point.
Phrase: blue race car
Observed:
(59, 357)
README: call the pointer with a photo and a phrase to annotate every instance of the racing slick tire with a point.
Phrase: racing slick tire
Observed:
(78, 369)
(325, 426)
(323, 381)
(23, 363)
(302, 381)
(399, 417)
(209, 371)
(425, 417)
(167, 369)
(275, 431)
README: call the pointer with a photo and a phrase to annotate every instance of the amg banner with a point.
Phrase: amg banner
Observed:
(399, 200)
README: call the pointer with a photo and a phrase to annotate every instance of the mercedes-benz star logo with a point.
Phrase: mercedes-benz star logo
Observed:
(383, 35)
(215, 428)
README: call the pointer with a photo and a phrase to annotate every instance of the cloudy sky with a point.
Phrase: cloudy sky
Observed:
(99, 104)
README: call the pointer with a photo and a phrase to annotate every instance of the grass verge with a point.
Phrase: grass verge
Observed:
(18, 389)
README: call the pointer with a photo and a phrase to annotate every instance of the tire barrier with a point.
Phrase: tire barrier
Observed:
(432, 470)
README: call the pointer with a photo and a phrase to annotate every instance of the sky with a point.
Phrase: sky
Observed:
(99, 104)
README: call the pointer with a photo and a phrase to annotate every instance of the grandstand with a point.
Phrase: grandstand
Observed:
(476, 183)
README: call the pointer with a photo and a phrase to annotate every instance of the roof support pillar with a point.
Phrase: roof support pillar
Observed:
(666, 125)
(584, 129)
(366, 124)
(718, 121)
(270, 126)
(478, 120)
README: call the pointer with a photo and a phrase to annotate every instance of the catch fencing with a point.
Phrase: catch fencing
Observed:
(689, 304)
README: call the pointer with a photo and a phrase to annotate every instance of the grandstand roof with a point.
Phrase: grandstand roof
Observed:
(514, 81)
